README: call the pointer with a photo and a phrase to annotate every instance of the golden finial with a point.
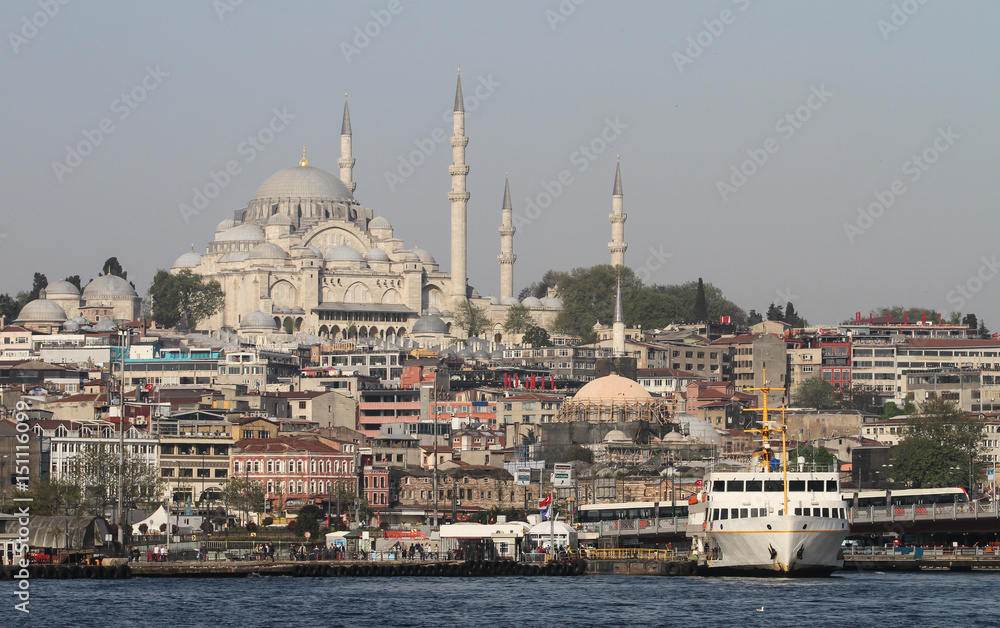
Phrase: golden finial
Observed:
(304, 162)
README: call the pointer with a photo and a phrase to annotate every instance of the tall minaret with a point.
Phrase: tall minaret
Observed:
(618, 326)
(346, 162)
(459, 201)
(506, 257)
(617, 245)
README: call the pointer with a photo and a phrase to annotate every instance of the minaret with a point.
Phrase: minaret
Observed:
(346, 162)
(618, 327)
(459, 201)
(506, 257)
(617, 245)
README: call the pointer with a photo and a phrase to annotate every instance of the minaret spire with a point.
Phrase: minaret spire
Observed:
(617, 246)
(346, 161)
(506, 257)
(618, 326)
(459, 199)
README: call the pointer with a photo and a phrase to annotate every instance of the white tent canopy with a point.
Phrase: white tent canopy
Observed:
(542, 534)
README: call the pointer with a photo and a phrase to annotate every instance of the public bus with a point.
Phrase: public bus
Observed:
(596, 513)
(909, 497)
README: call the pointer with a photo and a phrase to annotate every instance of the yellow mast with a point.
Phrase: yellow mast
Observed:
(765, 435)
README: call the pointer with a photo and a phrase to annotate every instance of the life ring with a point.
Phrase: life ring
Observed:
(673, 569)
(366, 571)
(686, 568)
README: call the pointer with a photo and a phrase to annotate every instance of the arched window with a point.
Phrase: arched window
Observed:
(312, 466)
(312, 487)
(336, 466)
(236, 466)
(270, 487)
(270, 467)
(300, 467)
(301, 487)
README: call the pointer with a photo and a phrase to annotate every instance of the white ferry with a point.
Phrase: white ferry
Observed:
(769, 520)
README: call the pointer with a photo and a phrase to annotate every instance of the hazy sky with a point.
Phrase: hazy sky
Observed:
(750, 135)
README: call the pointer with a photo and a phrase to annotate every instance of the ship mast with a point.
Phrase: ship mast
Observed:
(765, 453)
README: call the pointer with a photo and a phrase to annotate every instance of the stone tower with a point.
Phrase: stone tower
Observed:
(618, 326)
(506, 257)
(346, 162)
(459, 202)
(617, 246)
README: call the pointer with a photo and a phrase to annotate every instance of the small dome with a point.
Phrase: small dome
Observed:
(315, 249)
(376, 255)
(227, 223)
(510, 301)
(241, 233)
(429, 324)
(279, 219)
(268, 250)
(433, 310)
(424, 256)
(409, 256)
(305, 251)
(481, 354)
(109, 287)
(379, 222)
(188, 260)
(105, 324)
(344, 253)
(71, 325)
(235, 256)
(60, 288)
(531, 302)
(552, 303)
(297, 310)
(280, 309)
(258, 320)
(617, 436)
(41, 311)
(464, 353)
(494, 300)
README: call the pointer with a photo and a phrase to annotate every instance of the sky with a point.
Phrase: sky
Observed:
(839, 155)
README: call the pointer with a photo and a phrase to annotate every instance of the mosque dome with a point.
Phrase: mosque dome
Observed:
(424, 256)
(617, 436)
(409, 256)
(429, 324)
(234, 256)
(71, 325)
(109, 287)
(188, 260)
(305, 251)
(279, 219)
(379, 222)
(258, 320)
(41, 311)
(377, 255)
(531, 302)
(267, 250)
(105, 324)
(612, 387)
(344, 253)
(510, 301)
(552, 302)
(303, 182)
(61, 288)
(226, 223)
(241, 233)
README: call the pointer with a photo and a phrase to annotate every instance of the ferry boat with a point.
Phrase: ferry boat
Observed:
(769, 519)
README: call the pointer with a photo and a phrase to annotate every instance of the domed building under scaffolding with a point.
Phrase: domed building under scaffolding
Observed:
(614, 399)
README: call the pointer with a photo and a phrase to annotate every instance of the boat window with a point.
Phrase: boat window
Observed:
(798, 511)
(736, 513)
(744, 513)
(753, 512)
(831, 486)
(773, 486)
(826, 512)
(842, 514)
(781, 513)
(815, 486)
(715, 514)
(734, 486)
(754, 486)
(719, 485)
(807, 512)
(724, 512)
(797, 485)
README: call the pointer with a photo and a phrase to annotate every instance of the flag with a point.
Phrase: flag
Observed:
(545, 506)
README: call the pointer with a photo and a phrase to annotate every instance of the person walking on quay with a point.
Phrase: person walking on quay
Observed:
(270, 550)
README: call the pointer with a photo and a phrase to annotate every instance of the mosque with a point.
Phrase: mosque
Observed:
(305, 255)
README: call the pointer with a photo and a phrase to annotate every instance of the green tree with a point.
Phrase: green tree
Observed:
(52, 497)
(699, 311)
(861, 400)
(792, 317)
(9, 307)
(540, 289)
(244, 495)
(814, 393)
(307, 520)
(183, 299)
(93, 478)
(75, 280)
(938, 447)
(472, 318)
(754, 317)
(890, 409)
(588, 296)
(113, 267)
(820, 456)
(518, 319)
(536, 337)
(774, 312)
(288, 325)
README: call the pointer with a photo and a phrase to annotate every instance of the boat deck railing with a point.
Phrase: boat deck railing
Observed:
(637, 553)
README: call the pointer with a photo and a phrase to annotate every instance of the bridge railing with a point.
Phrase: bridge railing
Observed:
(625, 553)
(636, 526)
(923, 512)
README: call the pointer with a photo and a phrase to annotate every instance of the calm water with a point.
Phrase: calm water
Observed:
(849, 599)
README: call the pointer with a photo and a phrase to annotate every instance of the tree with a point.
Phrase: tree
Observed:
(308, 520)
(183, 299)
(53, 497)
(288, 325)
(9, 307)
(38, 284)
(699, 312)
(588, 296)
(938, 447)
(472, 318)
(244, 496)
(518, 319)
(754, 317)
(75, 280)
(792, 317)
(577, 451)
(862, 400)
(540, 289)
(774, 312)
(536, 337)
(814, 393)
(113, 267)
(819, 456)
(890, 409)
(970, 321)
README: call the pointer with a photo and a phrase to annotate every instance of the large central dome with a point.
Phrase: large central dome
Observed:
(303, 182)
